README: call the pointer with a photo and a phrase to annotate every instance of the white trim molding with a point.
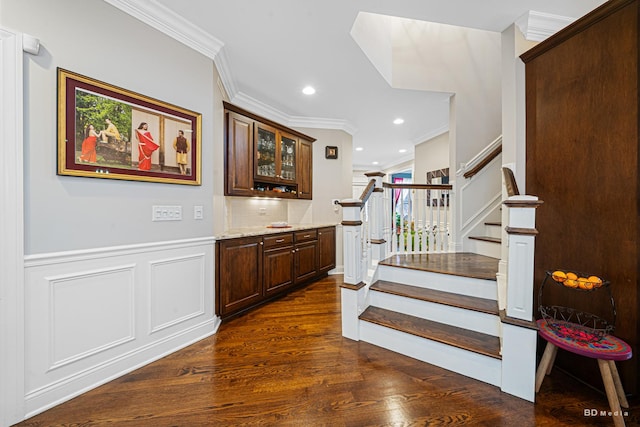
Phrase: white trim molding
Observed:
(11, 229)
(170, 23)
(93, 315)
(177, 27)
(248, 102)
(538, 26)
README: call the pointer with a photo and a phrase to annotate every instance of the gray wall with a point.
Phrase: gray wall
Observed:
(92, 38)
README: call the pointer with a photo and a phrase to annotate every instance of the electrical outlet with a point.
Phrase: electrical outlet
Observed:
(166, 213)
(262, 211)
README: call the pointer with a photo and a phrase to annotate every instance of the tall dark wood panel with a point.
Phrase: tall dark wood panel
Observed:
(305, 170)
(582, 161)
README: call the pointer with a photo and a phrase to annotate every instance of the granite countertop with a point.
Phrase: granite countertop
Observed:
(263, 229)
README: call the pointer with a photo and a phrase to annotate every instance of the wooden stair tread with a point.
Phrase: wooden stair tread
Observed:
(482, 305)
(464, 264)
(465, 339)
(487, 239)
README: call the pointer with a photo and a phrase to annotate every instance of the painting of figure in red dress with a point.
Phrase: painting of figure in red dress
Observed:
(117, 134)
(109, 132)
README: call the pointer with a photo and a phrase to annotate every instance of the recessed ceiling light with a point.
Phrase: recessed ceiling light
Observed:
(398, 121)
(308, 90)
(359, 148)
(375, 163)
(402, 150)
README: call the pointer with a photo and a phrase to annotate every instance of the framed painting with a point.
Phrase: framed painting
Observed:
(106, 131)
(330, 152)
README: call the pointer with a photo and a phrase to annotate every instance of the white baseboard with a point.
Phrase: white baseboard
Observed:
(81, 382)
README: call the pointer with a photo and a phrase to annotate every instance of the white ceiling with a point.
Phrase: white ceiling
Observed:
(271, 49)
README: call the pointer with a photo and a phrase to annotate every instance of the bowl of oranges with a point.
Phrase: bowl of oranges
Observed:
(569, 321)
(576, 280)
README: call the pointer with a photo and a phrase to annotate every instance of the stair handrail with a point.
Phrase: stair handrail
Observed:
(510, 182)
(482, 159)
(367, 192)
(418, 186)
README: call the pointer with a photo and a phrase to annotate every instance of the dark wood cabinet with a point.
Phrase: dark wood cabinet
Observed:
(264, 158)
(278, 261)
(326, 249)
(305, 170)
(306, 254)
(239, 155)
(582, 89)
(239, 267)
(253, 270)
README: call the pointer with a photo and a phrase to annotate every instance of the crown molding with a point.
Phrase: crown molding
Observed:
(173, 25)
(538, 26)
(430, 135)
(260, 108)
(222, 65)
(322, 123)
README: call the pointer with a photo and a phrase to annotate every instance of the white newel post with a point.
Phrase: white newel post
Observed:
(377, 219)
(519, 335)
(352, 292)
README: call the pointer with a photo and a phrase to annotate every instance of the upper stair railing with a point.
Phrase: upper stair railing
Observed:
(418, 217)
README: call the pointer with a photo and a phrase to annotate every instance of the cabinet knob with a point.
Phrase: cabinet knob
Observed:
(261, 243)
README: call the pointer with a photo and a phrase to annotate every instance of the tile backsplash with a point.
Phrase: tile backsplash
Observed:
(250, 212)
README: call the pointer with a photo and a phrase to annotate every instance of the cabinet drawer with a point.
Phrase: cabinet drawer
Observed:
(306, 235)
(278, 240)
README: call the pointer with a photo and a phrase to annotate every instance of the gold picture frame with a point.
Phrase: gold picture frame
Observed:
(105, 131)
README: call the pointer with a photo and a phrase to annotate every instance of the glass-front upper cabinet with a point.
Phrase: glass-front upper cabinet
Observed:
(266, 153)
(288, 157)
(276, 154)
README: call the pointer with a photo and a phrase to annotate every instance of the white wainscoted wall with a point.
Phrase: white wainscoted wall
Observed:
(93, 315)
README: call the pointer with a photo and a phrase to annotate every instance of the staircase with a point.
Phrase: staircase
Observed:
(489, 243)
(438, 308)
(405, 288)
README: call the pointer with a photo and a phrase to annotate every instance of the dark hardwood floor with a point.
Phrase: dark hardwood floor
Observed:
(286, 363)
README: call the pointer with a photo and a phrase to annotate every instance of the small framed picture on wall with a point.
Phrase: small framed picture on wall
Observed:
(331, 152)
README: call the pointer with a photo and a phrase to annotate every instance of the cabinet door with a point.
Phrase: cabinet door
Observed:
(278, 270)
(240, 274)
(266, 153)
(305, 170)
(239, 156)
(288, 158)
(326, 249)
(306, 260)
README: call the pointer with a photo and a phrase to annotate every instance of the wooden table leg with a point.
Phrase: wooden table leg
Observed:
(612, 394)
(545, 364)
(616, 381)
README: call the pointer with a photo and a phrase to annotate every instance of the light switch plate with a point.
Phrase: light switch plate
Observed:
(166, 213)
(198, 212)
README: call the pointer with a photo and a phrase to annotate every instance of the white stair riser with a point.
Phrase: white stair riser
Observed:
(474, 365)
(493, 231)
(454, 316)
(442, 282)
(481, 247)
